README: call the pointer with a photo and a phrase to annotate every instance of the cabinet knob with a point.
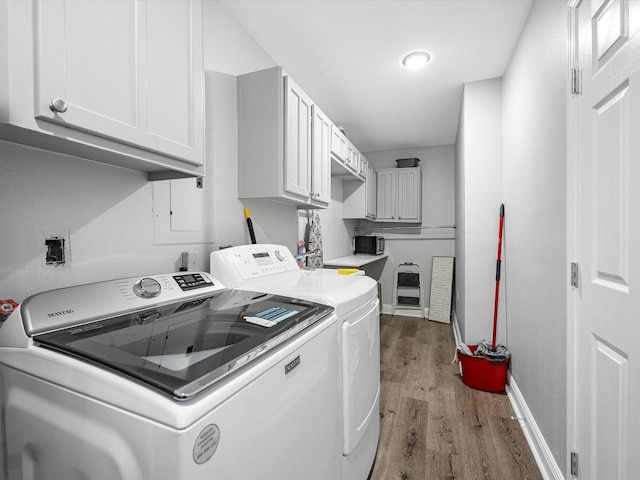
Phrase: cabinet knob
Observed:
(57, 105)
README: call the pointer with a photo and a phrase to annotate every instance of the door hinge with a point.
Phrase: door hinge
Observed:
(576, 81)
(574, 464)
(574, 275)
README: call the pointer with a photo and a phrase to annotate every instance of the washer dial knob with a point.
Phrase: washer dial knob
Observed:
(147, 288)
(279, 256)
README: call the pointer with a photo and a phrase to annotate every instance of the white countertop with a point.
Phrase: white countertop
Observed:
(354, 261)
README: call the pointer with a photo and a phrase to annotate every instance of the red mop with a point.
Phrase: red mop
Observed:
(487, 370)
(495, 305)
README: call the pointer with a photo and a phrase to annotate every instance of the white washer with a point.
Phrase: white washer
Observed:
(273, 269)
(168, 377)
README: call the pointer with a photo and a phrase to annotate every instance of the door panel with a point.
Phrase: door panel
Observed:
(408, 194)
(86, 56)
(297, 160)
(609, 412)
(321, 177)
(127, 71)
(611, 195)
(386, 204)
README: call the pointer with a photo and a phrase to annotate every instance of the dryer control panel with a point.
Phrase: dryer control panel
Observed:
(252, 261)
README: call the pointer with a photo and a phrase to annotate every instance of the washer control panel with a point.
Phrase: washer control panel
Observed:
(77, 305)
(189, 281)
(252, 261)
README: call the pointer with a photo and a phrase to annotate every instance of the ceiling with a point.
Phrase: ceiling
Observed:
(346, 55)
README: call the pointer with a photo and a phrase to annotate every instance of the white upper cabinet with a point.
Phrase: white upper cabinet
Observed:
(386, 192)
(346, 157)
(298, 134)
(371, 191)
(321, 175)
(120, 82)
(283, 141)
(338, 144)
(359, 199)
(399, 195)
(353, 158)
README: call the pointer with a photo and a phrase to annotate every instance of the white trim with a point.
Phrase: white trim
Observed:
(406, 312)
(572, 212)
(456, 329)
(541, 452)
(457, 338)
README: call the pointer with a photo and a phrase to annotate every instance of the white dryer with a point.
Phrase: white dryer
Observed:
(273, 269)
(168, 377)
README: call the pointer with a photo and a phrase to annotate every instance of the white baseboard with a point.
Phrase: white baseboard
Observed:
(456, 329)
(406, 312)
(541, 452)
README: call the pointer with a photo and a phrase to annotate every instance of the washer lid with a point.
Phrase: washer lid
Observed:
(184, 348)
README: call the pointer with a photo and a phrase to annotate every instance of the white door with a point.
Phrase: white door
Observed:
(128, 71)
(371, 190)
(321, 176)
(86, 56)
(386, 204)
(607, 242)
(297, 158)
(360, 374)
(409, 185)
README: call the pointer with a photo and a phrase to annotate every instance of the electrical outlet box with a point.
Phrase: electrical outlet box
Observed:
(55, 250)
(189, 261)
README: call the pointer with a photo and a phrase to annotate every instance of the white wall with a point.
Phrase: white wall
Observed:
(535, 149)
(229, 49)
(480, 162)
(419, 245)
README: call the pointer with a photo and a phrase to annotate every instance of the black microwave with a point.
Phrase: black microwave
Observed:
(369, 244)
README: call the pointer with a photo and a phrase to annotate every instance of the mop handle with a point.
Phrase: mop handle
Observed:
(252, 234)
(498, 265)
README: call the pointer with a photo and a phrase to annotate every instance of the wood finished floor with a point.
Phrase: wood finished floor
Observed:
(432, 426)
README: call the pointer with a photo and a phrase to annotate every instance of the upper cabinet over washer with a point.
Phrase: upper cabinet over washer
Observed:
(117, 82)
(283, 141)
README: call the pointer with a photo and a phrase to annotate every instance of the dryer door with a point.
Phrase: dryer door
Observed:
(360, 373)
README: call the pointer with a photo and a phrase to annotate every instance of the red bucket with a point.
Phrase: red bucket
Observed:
(483, 373)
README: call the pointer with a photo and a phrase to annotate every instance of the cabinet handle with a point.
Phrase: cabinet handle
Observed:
(58, 106)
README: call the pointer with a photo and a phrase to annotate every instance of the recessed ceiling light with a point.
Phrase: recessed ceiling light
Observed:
(416, 60)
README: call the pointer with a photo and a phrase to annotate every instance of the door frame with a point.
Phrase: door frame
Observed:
(573, 293)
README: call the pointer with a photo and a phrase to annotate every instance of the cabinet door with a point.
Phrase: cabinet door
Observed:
(338, 144)
(321, 174)
(86, 56)
(353, 158)
(409, 198)
(127, 71)
(172, 68)
(297, 132)
(386, 195)
(371, 190)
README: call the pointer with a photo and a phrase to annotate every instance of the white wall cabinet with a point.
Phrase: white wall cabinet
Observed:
(321, 158)
(359, 199)
(117, 82)
(298, 134)
(338, 144)
(371, 191)
(277, 125)
(399, 195)
(347, 161)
